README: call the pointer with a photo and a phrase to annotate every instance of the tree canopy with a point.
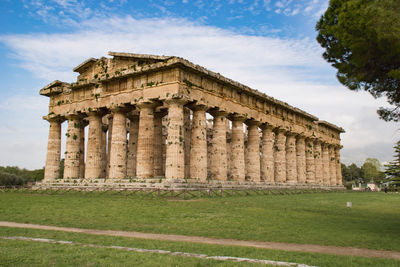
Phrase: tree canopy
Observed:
(361, 39)
(392, 169)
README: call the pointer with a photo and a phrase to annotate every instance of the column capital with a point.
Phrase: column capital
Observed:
(95, 112)
(237, 117)
(218, 112)
(252, 122)
(301, 136)
(133, 115)
(73, 116)
(266, 126)
(280, 130)
(197, 107)
(120, 109)
(54, 118)
(178, 101)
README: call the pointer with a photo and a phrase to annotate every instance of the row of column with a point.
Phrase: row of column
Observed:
(278, 157)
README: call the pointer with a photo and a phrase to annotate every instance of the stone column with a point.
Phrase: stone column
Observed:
(118, 145)
(109, 135)
(104, 150)
(198, 151)
(237, 149)
(187, 137)
(72, 150)
(82, 150)
(53, 157)
(145, 147)
(267, 158)
(325, 164)
(280, 156)
(158, 143)
(318, 162)
(219, 160)
(291, 159)
(253, 152)
(301, 159)
(94, 155)
(310, 161)
(132, 144)
(175, 157)
(338, 166)
(332, 165)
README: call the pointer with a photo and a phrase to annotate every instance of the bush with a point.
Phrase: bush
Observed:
(7, 179)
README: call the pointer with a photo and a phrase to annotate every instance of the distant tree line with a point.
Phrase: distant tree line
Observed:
(12, 175)
(370, 171)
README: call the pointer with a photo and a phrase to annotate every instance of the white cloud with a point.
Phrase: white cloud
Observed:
(291, 70)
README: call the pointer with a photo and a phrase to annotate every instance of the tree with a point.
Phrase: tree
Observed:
(371, 170)
(361, 39)
(392, 169)
(354, 172)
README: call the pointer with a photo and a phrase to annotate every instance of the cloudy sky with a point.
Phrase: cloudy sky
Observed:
(268, 45)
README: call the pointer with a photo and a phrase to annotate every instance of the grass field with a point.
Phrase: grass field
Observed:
(320, 218)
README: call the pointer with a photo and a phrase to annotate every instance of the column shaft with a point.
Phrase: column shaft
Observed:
(280, 156)
(267, 159)
(198, 151)
(301, 159)
(145, 148)
(253, 152)
(318, 163)
(175, 157)
(338, 167)
(237, 150)
(109, 135)
(158, 153)
(118, 145)
(219, 163)
(310, 161)
(132, 145)
(291, 159)
(104, 151)
(53, 157)
(82, 164)
(94, 156)
(325, 165)
(332, 165)
(72, 149)
(187, 137)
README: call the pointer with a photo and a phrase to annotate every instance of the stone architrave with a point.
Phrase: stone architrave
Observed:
(301, 159)
(219, 168)
(310, 161)
(291, 160)
(267, 158)
(198, 151)
(145, 147)
(325, 164)
(118, 145)
(237, 149)
(132, 144)
(318, 162)
(280, 155)
(332, 165)
(187, 133)
(158, 143)
(253, 152)
(175, 158)
(338, 166)
(53, 157)
(72, 149)
(94, 156)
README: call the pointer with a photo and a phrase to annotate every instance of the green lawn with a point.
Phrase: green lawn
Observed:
(320, 218)
(27, 253)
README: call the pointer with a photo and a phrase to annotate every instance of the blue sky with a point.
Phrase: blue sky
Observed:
(269, 45)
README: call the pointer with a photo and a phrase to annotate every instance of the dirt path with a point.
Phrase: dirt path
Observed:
(347, 251)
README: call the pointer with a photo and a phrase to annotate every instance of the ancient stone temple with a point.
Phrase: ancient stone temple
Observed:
(165, 119)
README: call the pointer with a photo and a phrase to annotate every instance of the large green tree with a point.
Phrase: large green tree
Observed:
(392, 169)
(361, 39)
(371, 170)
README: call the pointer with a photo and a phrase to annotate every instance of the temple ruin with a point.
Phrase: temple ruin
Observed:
(149, 122)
